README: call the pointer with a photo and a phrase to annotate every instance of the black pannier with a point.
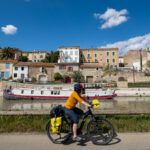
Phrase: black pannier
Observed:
(57, 111)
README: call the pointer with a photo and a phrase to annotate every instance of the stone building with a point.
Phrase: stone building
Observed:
(92, 72)
(137, 58)
(35, 56)
(102, 56)
(42, 72)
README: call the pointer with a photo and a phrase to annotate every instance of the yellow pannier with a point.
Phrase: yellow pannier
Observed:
(55, 124)
(96, 103)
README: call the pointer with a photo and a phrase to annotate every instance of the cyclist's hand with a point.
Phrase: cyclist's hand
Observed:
(90, 106)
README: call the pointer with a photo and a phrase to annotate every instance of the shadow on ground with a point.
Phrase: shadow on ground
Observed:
(95, 141)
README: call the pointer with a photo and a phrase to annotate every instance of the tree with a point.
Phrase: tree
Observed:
(57, 76)
(23, 58)
(8, 53)
(77, 76)
(148, 63)
(52, 57)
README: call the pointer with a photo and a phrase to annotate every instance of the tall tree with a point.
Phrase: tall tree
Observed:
(8, 53)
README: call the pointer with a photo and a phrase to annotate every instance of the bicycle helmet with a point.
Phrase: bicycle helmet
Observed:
(78, 87)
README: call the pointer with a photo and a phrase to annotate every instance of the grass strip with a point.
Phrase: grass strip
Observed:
(37, 123)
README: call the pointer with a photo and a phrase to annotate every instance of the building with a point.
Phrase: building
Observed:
(91, 71)
(102, 56)
(41, 72)
(35, 56)
(69, 54)
(137, 59)
(20, 71)
(6, 68)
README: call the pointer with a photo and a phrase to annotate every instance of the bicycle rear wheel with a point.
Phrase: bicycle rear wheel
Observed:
(64, 132)
(100, 131)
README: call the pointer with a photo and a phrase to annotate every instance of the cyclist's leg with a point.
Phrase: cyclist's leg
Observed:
(74, 117)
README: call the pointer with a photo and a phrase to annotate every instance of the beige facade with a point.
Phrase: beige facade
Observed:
(35, 56)
(92, 72)
(103, 56)
(6, 68)
(133, 56)
(41, 71)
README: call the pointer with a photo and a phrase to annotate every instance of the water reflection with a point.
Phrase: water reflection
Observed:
(119, 103)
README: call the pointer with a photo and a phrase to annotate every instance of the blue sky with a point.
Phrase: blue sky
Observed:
(48, 24)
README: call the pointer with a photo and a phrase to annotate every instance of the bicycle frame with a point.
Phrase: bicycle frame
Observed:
(86, 114)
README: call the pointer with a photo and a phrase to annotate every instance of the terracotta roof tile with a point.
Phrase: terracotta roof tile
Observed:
(34, 64)
(8, 61)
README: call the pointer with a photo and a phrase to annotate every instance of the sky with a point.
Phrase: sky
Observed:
(49, 24)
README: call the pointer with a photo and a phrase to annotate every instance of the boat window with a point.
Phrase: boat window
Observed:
(42, 92)
(55, 92)
(51, 92)
(22, 91)
(32, 91)
(58, 92)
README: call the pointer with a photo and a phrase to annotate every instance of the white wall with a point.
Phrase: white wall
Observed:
(20, 72)
(69, 54)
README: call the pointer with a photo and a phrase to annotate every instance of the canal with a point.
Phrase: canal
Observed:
(121, 104)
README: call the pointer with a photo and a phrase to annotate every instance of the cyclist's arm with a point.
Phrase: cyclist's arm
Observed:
(85, 103)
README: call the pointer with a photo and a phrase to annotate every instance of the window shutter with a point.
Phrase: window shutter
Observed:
(64, 67)
(59, 67)
(72, 69)
(68, 68)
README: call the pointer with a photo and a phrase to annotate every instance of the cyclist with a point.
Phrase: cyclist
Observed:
(74, 112)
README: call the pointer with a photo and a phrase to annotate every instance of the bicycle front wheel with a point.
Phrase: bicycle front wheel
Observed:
(100, 131)
(62, 136)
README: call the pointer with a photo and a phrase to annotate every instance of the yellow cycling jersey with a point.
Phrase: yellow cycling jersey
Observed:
(73, 99)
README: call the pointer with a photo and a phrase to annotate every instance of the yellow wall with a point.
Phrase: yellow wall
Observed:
(4, 69)
(101, 56)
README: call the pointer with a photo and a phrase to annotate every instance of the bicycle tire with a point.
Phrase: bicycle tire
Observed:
(100, 131)
(64, 133)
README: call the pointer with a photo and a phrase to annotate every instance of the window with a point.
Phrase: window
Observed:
(42, 92)
(51, 92)
(15, 75)
(101, 59)
(71, 53)
(89, 60)
(113, 53)
(70, 68)
(22, 76)
(76, 52)
(6, 74)
(16, 68)
(70, 59)
(32, 91)
(42, 69)
(66, 53)
(62, 67)
(7, 65)
(101, 54)
(95, 55)
(66, 59)
(107, 60)
(96, 60)
(41, 56)
(88, 56)
(81, 55)
(107, 53)
(22, 91)
(34, 57)
(76, 59)
(22, 68)
(113, 60)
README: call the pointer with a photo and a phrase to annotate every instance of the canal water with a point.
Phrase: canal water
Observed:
(128, 104)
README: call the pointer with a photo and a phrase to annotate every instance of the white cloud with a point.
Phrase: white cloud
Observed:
(9, 29)
(139, 42)
(112, 17)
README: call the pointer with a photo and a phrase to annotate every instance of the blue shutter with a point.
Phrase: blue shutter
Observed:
(7, 65)
(6, 74)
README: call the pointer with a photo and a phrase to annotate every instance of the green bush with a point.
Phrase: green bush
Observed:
(57, 76)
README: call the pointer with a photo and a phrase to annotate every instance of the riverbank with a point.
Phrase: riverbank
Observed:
(37, 123)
